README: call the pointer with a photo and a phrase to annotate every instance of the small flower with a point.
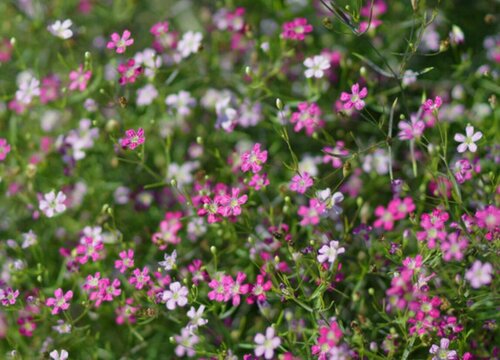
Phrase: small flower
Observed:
(253, 160)
(196, 317)
(60, 301)
(186, 342)
(129, 72)
(79, 79)
(468, 140)
(55, 355)
(133, 139)
(146, 95)
(28, 89)
(311, 215)
(169, 262)
(329, 252)
(190, 43)
(140, 278)
(354, 99)
(316, 66)
(330, 200)
(4, 149)
(307, 117)
(266, 344)
(61, 29)
(441, 352)
(175, 296)
(479, 274)
(231, 203)
(432, 105)
(126, 260)
(297, 29)
(411, 130)
(301, 182)
(8, 297)
(120, 42)
(52, 204)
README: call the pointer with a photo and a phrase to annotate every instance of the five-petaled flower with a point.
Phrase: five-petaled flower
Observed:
(133, 138)
(175, 296)
(52, 204)
(60, 301)
(120, 42)
(266, 344)
(468, 140)
(355, 98)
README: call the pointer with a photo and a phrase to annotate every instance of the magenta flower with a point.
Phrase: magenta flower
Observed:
(133, 139)
(120, 42)
(297, 29)
(301, 182)
(231, 204)
(126, 260)
(311, 214)
(129, 72)
(8, 297)
(334, 155)
(259, 181)
(462, 170)
(221, 289)
(411, 130)
(79, 79)
(454, 247)
(308, 118)
(60, 301)
(432, 105)
(259, 289)
(385, 218)
(140, 278)
(253, 160)
(4, 149)
(355, 98)
(489, 219)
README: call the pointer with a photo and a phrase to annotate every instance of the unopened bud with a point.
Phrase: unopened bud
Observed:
(279, 104)
(213, 250)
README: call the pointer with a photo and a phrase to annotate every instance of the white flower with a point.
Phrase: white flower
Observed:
(441, 352)
(29, 239)
(169, 262)
(196, 317)
(331, 200)
(176, 296)
(61, 29)
(266, 344)
(468, 141)
(329, 252)
(190, 43)
(181, 102)
(182, 173)
(53, 204)
(146, 95)
(55, 355)
(186, 342)
(150, 61)
(479, 274)
(29, 88)
(316, 66)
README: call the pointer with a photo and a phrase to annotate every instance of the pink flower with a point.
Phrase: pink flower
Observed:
(333, 155)
(5, 50)
(454, 247)
(129, 72)
(301, 182)
(60, 301)
(311, 214)
(259, 181)
(432, 106)
(140, 278)
(411, 130)
(120, 42)
(231, 204)
(79, 79)
(126, 313)
(4, 149)
(237, 288)
(489, 219)
(253, 160)
(8, 297)
(401, 208)
(354, 99)
(329, 337)
(462, 170)
(479, 274)
(126, 261)
(296, 29)
(133, 138)
(308, 118)
(386, 218)
(220, 289)
(259, 289)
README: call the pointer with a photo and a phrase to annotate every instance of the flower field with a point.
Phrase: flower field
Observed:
(236, 179)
